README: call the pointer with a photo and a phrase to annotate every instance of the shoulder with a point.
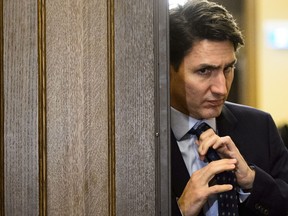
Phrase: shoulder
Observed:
(239, 109)
(242, 113)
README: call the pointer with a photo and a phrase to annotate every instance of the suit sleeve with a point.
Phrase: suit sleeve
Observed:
(269, 195)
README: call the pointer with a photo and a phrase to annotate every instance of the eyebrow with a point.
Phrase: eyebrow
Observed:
(216, 67)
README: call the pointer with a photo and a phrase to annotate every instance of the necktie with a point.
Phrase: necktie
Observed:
(227, 201)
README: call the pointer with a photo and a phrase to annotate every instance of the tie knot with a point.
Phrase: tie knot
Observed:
(199, 128)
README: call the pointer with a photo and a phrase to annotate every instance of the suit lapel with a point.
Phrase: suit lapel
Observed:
(179, 172)
(226, 122)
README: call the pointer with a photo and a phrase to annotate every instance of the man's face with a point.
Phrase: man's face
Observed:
(201, 85)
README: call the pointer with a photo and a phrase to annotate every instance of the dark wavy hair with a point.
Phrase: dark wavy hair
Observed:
(197, 20)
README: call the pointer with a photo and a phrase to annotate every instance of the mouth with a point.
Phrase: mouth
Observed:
(215, 103)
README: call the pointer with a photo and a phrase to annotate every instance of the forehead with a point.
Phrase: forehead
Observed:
(211, 52)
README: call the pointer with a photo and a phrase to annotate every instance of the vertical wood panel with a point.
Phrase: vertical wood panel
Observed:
(111, 106)
(1, 113)
(134, 108)
(42, 108)
(20, 107)
(77, 126)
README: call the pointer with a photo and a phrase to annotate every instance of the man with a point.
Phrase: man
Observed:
(204, 39)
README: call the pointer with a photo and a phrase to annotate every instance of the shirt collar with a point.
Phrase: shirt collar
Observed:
(181, 123)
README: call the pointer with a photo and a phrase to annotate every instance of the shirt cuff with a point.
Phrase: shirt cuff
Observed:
(242, 195)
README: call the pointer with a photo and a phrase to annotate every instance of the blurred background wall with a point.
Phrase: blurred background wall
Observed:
(272, 73)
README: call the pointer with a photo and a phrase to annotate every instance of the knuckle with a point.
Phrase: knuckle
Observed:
(227, 138)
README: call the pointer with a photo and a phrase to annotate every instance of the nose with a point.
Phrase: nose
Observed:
(218, 84)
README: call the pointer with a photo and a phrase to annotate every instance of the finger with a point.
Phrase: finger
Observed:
(206, 134)
(226, 147)
(216, 167)
(215, 189)
(227, 142)
(222, 165)
(205, 144)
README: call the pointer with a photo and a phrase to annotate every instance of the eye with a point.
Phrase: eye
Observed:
(204, 71)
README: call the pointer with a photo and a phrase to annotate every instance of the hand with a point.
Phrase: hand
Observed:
(197, 190)
(227, 149)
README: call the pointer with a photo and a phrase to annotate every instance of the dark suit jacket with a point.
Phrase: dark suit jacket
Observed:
(283, 130)
(257, 138)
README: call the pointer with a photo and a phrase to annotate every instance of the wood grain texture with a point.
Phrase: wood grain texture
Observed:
(134, 116)
(2, 201)
(77, 127)
(21, 107)
(42, 108)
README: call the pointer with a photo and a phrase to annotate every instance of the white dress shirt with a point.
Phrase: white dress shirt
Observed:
(181, 124)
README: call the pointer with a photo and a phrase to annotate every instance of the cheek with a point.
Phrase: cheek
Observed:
(197, 86)
(194, 91)
(229, 82)
(190, 87)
